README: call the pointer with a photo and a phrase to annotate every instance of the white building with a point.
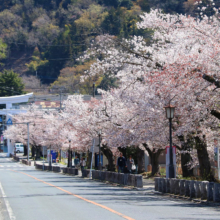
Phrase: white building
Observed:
(10, 107)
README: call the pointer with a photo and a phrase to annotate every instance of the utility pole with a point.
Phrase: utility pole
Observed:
(28, 141)
(60, 99)
(90, 154)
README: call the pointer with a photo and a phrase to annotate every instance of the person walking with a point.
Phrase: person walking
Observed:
(130, 164)
(76, 161)
(82, 163)
(121, 163)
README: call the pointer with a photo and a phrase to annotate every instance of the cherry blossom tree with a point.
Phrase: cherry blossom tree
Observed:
(184, 51)
(180, 66)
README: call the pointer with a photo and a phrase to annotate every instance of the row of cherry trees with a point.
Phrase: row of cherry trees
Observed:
(180, 66)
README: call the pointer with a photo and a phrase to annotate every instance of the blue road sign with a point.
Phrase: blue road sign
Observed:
(9, 122)
(0, 119)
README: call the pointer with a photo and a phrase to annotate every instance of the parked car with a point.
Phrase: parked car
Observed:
(19, 148)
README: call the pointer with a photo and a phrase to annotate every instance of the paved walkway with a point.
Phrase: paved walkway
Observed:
(147, 183)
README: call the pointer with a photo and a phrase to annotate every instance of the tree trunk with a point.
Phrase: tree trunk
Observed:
(25, 150)
(185, 157)
(88, 164)
(108, 153)
(204, 162)
(154, 156)
(60, 155)
(33, 151)
(37, 153)
(50, 160)
(123, 150)
(69, 164)
(140, 160)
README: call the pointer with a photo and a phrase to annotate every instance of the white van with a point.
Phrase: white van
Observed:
(19, 148)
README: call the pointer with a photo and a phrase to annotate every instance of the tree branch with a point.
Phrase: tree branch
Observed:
(211, 79)
(215, 113)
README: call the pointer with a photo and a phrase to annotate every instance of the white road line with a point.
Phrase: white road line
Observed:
(9, 209)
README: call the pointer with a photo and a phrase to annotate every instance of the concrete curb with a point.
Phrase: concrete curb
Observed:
(118, 178)
(191, 189)
(205, 202)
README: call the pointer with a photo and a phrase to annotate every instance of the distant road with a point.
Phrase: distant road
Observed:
(28, 194)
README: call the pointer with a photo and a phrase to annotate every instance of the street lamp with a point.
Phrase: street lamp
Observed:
(100, 163)
(170, 114)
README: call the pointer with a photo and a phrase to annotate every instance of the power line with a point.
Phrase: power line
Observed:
(9, 89)
(46, 45)
(46, 59)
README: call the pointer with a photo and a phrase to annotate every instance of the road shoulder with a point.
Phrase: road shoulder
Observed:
(4, 215)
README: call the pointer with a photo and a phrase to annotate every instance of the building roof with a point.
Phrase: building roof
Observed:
(15, 99)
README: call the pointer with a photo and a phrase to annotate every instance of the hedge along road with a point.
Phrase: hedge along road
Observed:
(32, 194)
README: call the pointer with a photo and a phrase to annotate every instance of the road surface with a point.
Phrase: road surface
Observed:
(29, 194)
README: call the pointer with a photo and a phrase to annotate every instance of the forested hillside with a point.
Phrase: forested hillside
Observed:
(44, 38)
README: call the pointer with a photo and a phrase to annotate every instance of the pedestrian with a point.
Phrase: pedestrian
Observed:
(82, 163)
(130, 164)
(121, 163)
(76, 161)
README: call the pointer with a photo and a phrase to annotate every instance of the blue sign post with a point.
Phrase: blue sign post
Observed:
(97, 160)
(9, 122)
(53, 154)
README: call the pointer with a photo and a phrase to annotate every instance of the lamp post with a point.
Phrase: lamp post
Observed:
(100, 163)
(170, 114)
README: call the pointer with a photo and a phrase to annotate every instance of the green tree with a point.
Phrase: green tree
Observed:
(10, 84)
(108, 82)
(3, 49)
(36, 62)
(168, 6)
(118, 3)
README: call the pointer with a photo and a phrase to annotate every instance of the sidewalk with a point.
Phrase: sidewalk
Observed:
(21, 157)
(57, 165)
(148, 184)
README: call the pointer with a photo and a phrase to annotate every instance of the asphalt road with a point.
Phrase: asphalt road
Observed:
(28, 194)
